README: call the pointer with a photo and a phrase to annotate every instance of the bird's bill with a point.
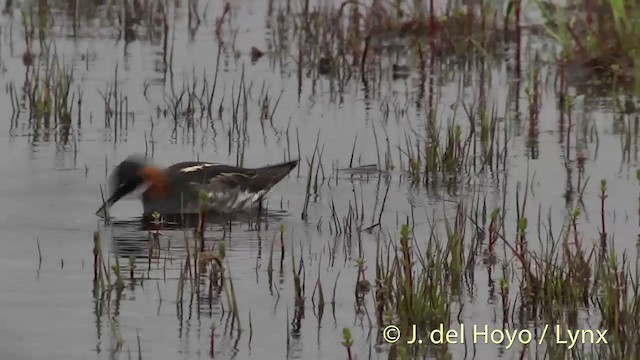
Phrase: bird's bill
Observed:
(115, 196)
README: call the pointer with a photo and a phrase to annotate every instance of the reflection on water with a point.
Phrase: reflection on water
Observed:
(131, 236)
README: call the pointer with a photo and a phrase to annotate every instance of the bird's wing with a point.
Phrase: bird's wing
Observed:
(223, 181)
(232, 180)
(230, 188)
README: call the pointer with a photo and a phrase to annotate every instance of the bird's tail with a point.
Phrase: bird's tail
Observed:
(267, 176)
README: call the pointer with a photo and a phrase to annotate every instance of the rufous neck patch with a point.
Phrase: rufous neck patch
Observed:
(158, 181)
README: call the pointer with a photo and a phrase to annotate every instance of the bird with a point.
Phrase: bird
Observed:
(192, 187)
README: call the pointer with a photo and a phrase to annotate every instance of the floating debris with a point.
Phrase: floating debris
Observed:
(324, 65)
(256, 54)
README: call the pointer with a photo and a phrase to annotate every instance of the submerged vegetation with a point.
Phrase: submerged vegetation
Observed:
(435, 205)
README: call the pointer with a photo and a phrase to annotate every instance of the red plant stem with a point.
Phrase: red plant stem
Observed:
(349, 347)
(569, 136)
(603, 235)
(469, 21)
(589, 13)
(361, 274)
(150, 255)
(491, 237)
(562, 98)
(95, 266)
(505, 306)
(432, 25)
(201, 227)
(282, 241)
(604, 231)
(211, 348)
(482, 18)
(430, 96)
(518, 43)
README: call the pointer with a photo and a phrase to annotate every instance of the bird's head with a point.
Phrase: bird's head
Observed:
(127, 177)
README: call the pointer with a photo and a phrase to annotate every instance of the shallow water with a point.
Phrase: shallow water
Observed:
(50, 191)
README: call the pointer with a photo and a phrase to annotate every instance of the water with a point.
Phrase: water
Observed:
(51, 189)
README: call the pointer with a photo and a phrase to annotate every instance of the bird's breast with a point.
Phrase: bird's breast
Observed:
(157, 181)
